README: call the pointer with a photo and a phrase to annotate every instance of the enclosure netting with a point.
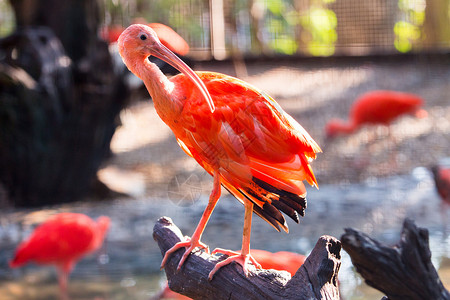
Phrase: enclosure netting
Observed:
(288, 27)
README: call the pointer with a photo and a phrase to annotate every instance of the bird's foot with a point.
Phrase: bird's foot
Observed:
(244, 260)
(190, 246)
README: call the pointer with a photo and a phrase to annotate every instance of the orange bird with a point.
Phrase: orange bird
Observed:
(281, 260)
(441, 177)
(377, 107)
(61, 241)
(236, 132)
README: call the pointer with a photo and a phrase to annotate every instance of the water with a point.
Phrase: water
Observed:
(127, 267)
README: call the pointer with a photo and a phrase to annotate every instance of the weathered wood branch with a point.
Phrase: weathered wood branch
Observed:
(403, 271)
(316, 279)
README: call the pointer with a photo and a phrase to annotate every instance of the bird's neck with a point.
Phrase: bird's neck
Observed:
(103, 224)
(337, 127)
(347, 127)
(161, 89)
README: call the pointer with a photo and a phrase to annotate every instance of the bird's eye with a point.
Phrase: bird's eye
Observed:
(143, 37)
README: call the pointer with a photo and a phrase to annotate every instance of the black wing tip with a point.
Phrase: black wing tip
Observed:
(289, 211)
(268, 212)
(272, 221)
(290, 200)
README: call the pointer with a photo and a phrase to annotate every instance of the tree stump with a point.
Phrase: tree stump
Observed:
(403, 271)
(316, 278)
(57, 120)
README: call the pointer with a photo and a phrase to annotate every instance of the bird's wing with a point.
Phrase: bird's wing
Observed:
(248, 128)
(260, 151)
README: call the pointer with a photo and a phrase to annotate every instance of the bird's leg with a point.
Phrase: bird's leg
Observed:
(392, 148)
(62, 280)
(244, 258)
(443, 209)
(194, 241)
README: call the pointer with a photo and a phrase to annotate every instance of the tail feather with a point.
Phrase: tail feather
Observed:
(294, 201)
(268, 208)
(257, 209)
(287, 210)
(269, 202)
(263, 214)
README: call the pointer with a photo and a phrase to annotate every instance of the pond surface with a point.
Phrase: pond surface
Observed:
(128, 265)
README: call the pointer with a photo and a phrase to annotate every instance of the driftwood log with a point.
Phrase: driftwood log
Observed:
(316, 279)
(403, 271)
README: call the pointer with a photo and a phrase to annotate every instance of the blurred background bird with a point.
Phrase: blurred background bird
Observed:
(62, 240)
(441, 176)
(236, 132)
(379, 107)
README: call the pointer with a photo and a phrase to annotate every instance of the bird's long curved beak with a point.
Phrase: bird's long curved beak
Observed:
(162, 52)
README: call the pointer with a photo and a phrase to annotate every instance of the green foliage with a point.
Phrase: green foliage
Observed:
(405, 33)
(276, 7)
(409, 30)
(7, 20)
(317, 24)
(321, 25)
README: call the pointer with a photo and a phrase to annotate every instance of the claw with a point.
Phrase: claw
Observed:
(190, 246)
(244, 260)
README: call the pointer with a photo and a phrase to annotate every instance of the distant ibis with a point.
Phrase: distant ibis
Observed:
(377, 108)
(441, 175)
(62, 240)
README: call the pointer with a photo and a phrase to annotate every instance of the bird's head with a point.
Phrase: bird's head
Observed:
(138, 42)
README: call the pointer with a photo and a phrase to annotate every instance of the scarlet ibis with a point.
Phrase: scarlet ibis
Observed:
(441, 175)
(62, 240)
(377, 107)
(236, 132)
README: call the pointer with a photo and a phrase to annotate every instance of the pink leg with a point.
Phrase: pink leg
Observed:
(244, 258)
(443, 208)
(62, 280)
(194, 241)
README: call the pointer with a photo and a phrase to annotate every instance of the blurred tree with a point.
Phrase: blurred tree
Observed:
(60, 99)
(320, 29)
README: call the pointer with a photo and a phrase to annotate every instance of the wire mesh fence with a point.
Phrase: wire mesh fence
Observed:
(225, 28)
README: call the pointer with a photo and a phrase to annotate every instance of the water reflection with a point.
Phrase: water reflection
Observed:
(128, 265)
